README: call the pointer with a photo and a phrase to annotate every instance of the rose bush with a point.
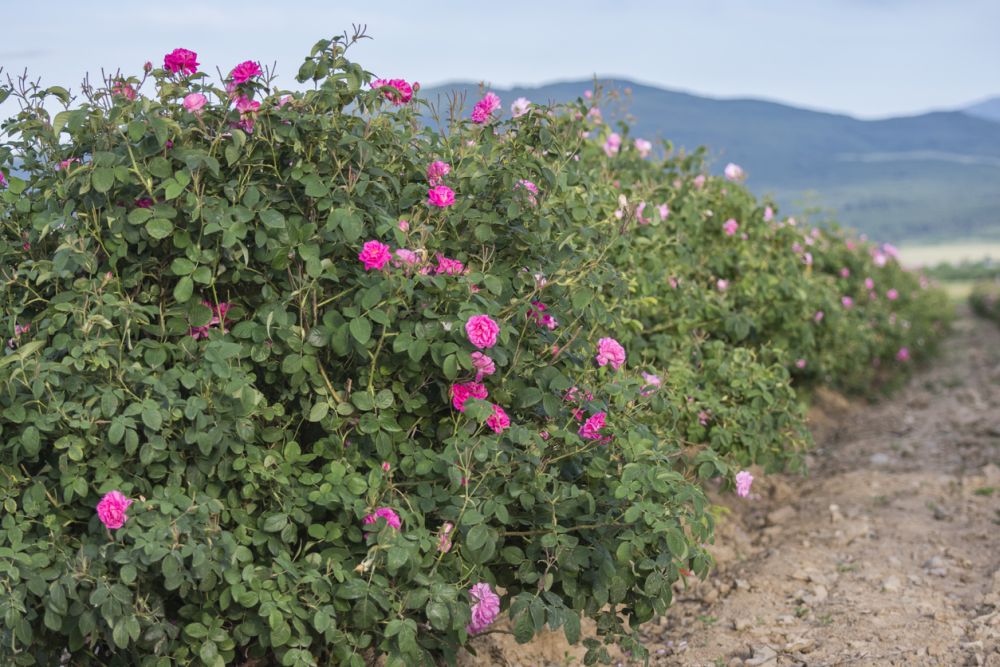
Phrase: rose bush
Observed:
(291, 379)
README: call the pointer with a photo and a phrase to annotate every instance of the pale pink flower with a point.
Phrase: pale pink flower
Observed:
(485, 608)
(482, 331)
(397, 91)
(903, 354)
(386, 513)
(663, 210)
(64, 164)
(588, 94)
(111, 509)
(638, 214)
(734, 172)
(807, 258)
(847, 301)
(610, 351)
(485, 107)
(850, 244)
(699, 181)
(519, 107)
(644, 147)
(653, 382)
(591, 429)
(374, 255)
(245, 71)
(612, 144)
(385, 466)
(451, 267)
(444, 537)
(743, 481)
(181, 60)
(595, 115)
(768, 214)
(703, 418)
(892, 295)
(123, 89)
(800, 363)
(869, 284)
(818, 316)
(436, 171)
(730, 227)
(498, 421)
(483, 364)
(845, 272)
(722, 284)
(460, 393)
(194, 102)
(441, 196)
(404, 257)
(880, 259)
(404, 226)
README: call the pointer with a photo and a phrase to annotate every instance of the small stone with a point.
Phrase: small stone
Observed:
(786, 619)
(735, 662)
(892, 584)
(880, 459)
(936, 561)
(762, 655)
(800, 645)
(742, 584)
(781, 515)
(835, 514)
(818, 596)
(742, 624)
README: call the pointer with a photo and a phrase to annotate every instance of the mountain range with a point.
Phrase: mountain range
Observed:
(926, 177)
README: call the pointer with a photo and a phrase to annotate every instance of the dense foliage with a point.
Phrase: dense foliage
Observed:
(344, 369)
(985, 300)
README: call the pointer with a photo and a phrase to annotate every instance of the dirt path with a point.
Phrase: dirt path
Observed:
(888, 553)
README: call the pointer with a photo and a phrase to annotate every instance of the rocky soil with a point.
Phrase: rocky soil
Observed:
(887, 553)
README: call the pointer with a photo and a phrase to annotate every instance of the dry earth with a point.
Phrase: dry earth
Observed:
(888, 553)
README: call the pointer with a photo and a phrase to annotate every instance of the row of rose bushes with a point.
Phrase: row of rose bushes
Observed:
(984, 300)
(291, 379)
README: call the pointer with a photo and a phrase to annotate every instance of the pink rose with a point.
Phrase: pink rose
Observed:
(663, 210)
(519, 107)
(847, 302)
(734, 172)
(730, 227)
(591, 429)
(245, 71)
(845, 272)
(441, 196)
(444, 537)
(644, 147)
(892, 295)
(436, 171)
(181, 60)
(397, 91)
(869, 284)
(111, 509)
(722, 284)
(800, 363)
(386, 513)
(450, 267)
(482, 331)
(768, 214)
(404, 226)
(484, 108)
(818, 316)
(460, 393)
(483, 364)
(903, 354)
(743, 481)
(404, 257)
(612, 144)
(123, 89)
(194, 102)
(485, 608)
(610, 351)
(374, 255)
(498, 421)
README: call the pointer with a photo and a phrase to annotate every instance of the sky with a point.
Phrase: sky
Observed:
(867, 58)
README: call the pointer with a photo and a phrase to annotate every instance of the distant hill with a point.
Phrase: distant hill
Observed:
(935, 175)
(988, 109)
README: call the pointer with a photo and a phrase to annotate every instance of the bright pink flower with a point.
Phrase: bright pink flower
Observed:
(193, 102)
(483, 364)
(21, 329)
(892, 295)
(529, 186)
(218, 319)
(144, 202)
(482, 331)
(245, 105)
(591, 429)
(903, 354)
(734, 172)
(703, 418)
(181, 60)
(111, 509)
(485, 608)
(498, 421)
(386, 513)
(730, 227)
(245, 71)
(374, 255)
(404, 226)
(519, 107)
(3, 180)
(485, 107)
(800, 363)
(663, 210)
(444, 537)
(124, 89)
(610, 351)
(385, 466)
(536, 311)
(450, 267)
(845, 272)
(743, 481)
(644, 147)
(441, 196)
(62, 165)
(847, 301)
(436, 171)
(869, 283)
(460, 393)
(397, 91)
(612, 144)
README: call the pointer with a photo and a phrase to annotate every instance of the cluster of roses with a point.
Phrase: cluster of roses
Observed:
(482, 332)
(184, 63)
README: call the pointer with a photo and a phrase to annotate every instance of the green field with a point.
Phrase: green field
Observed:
(932, 254)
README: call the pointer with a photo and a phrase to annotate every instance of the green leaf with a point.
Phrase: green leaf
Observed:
(103, 178)
(275, 522)
(159, 228)
(182, 266)
(439, 615)
(319, 411)
(361, 329)
(272, 218)
(183, 289)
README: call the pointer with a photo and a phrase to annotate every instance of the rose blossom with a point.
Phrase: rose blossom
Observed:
(610, 351)
(397, 91)
(612, 144)
(498, 421)
(485, 107)
(404, 257)
(644, 147)
(892, 295)
(450, 267)
(404, 226)
(519, 107)
(441, 196)
(124, 89)
(374, 255)
(722, 284)
(482, 331)
(591, 429)
(699, 181)
(730, 227)
(818, 316)
(485, 608)
(847, 301)
(460, 393)
(903, 354)
(869, 284)
(386, 513)
(111, 509)
(768, 214)
(193, 102)
(181, 60)
(734, 172)
(663, 210)
(483, 364)
(436, 171)
(245, 71)
(743, 481)
(653, 382)
(800, 363)
(444, 537)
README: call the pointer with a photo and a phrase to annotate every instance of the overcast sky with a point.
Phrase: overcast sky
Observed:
(869, 58)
